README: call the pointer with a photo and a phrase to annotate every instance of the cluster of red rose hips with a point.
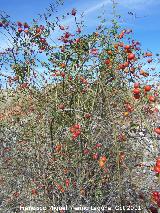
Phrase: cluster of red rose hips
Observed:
(20, 25)
(75, 130)
(157, 166)
(156, 197)
(137, 91)
(43, 44)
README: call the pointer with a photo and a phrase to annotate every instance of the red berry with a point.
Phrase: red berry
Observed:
(136, 85)
(84, 90)
(19, 24)
(86, 151)
(136, 91)
(121, 44)
(121, 66)
(121, 137)
(42, 48)
(63, 74)
(62, 27)
(70, 78)
(121, 35)
(84, 81)
(38, 30)
(67, 182)
(72, 129)
(77, 126)
(34, 192)
(25, 25)
(151, 98)
(77, 40)
(157, 130)
(158, 163)
(103, 158)
(129, 107)
(126, 64)
(149, 60)
(137, 96)
(147, 88)
(107, 61)
(24, 85)
(131, 56)
(157, 169)
(95, 156)
(26, 31)
(87, 115)
(156, 94)
(155, 194)
(127, 47)
(16, 194)
(73, 12)
(77, 133)
(156, 110)
(98, 145)
(42, 40)
(20, 30)
(61, 106)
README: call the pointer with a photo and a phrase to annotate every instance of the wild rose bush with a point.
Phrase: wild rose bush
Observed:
(81, 126)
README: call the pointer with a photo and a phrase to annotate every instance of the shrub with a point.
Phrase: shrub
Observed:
(89, 139)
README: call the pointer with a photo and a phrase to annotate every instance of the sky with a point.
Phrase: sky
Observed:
(145, 21)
